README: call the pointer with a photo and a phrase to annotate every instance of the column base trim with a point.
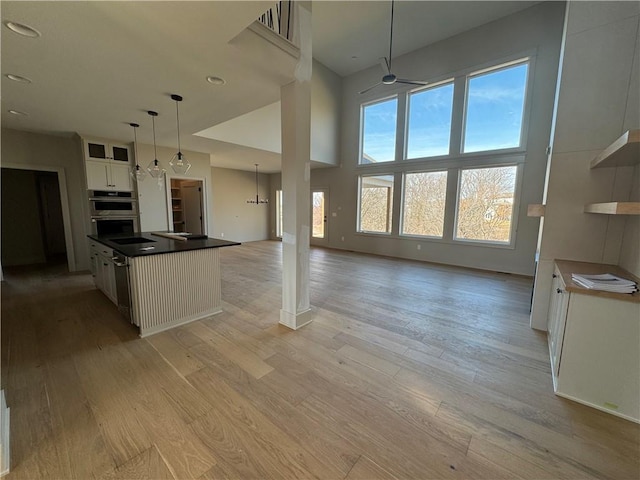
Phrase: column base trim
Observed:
(294, 321)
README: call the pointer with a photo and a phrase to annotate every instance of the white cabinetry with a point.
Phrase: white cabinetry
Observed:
(103, 270)
(107, 166)
(594, 342)
(557, 318)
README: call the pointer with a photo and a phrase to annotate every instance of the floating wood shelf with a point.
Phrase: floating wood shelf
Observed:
(625, 151)
(535, 210)
(614, 208)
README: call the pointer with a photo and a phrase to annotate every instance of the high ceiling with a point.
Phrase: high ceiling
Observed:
(100, 65)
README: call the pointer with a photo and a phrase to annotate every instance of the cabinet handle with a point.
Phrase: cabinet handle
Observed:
(558, 290)
(554, 276)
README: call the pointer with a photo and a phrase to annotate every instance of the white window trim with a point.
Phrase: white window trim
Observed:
(524, 127)
(407, 101)
(361, 134)
(359, 229)
(517, 190)
(402, 202)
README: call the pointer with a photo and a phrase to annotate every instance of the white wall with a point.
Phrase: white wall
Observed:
(326, 95)
(537, 30)
(233, 218)
(597, 101)
(28, 148)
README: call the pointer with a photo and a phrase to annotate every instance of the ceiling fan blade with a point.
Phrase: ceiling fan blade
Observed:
(370, 88)
(384, 63)
(411, 82)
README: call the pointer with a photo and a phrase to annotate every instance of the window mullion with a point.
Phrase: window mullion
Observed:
(453, 175)
(457, 117)
(401, 126)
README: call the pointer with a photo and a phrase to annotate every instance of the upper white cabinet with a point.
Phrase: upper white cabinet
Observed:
(96, 150)
(107, 166)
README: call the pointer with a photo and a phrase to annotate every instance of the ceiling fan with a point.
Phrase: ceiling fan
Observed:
(389, 78)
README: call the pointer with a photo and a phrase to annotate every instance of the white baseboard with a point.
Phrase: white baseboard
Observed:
(5, 458)
(296, 320)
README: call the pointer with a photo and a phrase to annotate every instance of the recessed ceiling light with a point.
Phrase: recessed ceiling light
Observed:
(18, 112)
(216, 80)
(22, 29)
(17, 78)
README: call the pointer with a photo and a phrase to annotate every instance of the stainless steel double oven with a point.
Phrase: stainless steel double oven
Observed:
(113, 212)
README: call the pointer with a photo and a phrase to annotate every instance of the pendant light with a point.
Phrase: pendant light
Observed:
(258, 200)
(137, 172)
(155, 167)
(179, 163)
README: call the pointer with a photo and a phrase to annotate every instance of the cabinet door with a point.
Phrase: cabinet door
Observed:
(120, 177)
(119, 153)
(98, 176)
(96, 150)
(557, 320)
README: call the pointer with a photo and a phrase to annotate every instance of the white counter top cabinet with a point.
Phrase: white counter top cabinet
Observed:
(594, 345)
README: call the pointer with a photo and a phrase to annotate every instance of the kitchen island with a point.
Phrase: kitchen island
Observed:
(158, 283)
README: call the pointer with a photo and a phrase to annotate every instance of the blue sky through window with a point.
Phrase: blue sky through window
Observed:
(430, 122)
(493, 118)
(495, 107)
(379, 132)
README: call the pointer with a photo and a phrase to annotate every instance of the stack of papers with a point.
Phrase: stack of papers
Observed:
(606, 282)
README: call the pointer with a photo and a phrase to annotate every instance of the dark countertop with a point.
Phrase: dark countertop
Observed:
(159, 244)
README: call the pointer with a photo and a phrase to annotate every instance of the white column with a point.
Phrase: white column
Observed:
(296, 163)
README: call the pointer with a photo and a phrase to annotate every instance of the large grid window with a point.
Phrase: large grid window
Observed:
(494, 110)
(485, 204)
(376, 203)
(423, 203)
(456, 147)
(379, 124)
(429, 122)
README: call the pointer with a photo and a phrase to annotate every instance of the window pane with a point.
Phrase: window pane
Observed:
(495, 107)
(279, 213)
(376, 202)
(429, 126)
(423, 204)
(485, 204)
(318, 215)
(379, 132)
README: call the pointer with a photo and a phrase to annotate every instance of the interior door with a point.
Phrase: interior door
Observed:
(192, 208)
(319, 212)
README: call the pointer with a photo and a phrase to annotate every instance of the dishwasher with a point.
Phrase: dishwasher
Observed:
(123, 288)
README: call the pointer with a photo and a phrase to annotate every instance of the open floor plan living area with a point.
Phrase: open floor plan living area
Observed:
(343, 240)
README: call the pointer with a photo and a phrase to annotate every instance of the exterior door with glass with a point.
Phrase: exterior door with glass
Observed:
(319, 216)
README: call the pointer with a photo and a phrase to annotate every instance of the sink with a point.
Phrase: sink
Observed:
(131, 240)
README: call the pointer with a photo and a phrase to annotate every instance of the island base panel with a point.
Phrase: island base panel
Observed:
(175, 288)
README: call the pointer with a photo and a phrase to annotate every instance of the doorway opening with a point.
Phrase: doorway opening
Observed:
(187, 206)
(33, 227)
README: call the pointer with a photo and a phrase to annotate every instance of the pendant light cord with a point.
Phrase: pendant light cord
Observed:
(135, 147)
(178, 122)
(155, 151)
(257, 195)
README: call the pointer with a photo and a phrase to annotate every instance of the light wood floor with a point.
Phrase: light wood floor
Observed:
(409, 370)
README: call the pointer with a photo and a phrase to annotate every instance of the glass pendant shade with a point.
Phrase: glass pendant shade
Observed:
(179, 163)
(155, 168)
(137, 172)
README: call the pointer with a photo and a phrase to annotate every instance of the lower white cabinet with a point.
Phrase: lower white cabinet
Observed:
(103, 270)
(594, 345)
